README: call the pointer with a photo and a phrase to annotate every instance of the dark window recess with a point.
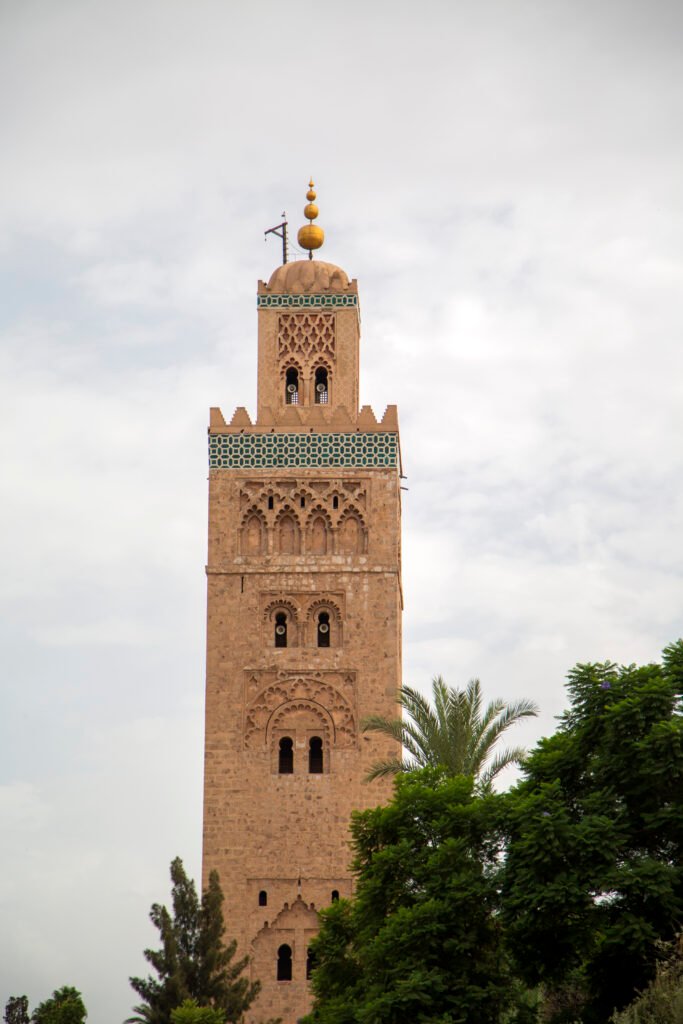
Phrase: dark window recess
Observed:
(310, 962)
(285, 765)
(321, 392)
(270, 502)
(284, 963)
(335, 502)
(335, 895)
(315, 755)
(303, 503)
(263, 898)
(324, 629)
(280, 630)
(292, 386)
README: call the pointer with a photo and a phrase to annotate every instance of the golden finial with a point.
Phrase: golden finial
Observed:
(310, 236)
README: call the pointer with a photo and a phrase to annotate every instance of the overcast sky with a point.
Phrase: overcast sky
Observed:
(504, 180)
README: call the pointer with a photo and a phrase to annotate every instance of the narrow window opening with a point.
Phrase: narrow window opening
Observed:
(321, 392)
(315, 756)
(335, 895)
(310, 963)
(292, 386)
(263, 898)
(324, 630)
(284, 963)
(280, 630)
(335, 502)
(270, 502)
(286, 756)
(303, 502)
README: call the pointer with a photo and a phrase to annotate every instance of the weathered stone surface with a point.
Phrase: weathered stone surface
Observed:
(298, 543)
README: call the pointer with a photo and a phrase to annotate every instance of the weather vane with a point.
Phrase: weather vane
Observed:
(280, 230)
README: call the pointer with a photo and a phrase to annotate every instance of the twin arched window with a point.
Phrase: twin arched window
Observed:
(323, 629)
(285, 761)
(321, 386)
(284, 963)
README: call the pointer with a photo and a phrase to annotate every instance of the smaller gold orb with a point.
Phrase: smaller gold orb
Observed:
(311, 211)
(311, 194)
(310, 236)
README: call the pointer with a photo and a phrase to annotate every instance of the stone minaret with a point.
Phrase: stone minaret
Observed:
(303, 623)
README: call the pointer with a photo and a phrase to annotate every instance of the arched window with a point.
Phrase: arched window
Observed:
(350, 537)
(315, 755)
(335, 895)
(252, 536)
(285, 764)
(263, 898)
(321, 390)
(318, 536)
(292, 386)
(323, 629)
(281, 629)
(310, 963)
(289, 542)
(284, 963)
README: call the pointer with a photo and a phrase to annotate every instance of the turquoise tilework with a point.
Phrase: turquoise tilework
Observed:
(264, 451)
(304, 301)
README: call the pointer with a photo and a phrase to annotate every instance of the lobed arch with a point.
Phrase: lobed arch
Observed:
(319, 531)
(352, 533)
(278, 604)
(279, 613)
(253, 532)
(329, 606)
(287, 531)
(300, 735)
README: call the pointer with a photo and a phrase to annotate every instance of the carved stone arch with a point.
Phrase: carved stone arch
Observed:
(324, 604)
(298, 722)
(352, 534)
(334, 701)
(319, 531)
(274, 621)
(253, 532)
(285, 604)
(303, 713)
(287, 531)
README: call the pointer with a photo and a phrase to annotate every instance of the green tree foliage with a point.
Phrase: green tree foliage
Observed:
(16, 1010)
(421, 939)
(194, 962)
(455, 732)
(65, 1006)
(594, 873)
(192, 1013)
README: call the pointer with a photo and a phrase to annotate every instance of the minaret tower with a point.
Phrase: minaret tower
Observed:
(303, 623)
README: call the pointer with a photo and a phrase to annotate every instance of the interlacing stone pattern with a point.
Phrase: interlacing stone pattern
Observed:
(306, 301)
(255, 451)
(303, 334)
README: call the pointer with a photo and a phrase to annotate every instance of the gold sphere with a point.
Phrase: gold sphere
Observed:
(311, 194)
(310, 237)
(311, 211)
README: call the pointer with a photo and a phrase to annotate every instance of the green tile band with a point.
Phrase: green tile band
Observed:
(304, 301)
(264, 451)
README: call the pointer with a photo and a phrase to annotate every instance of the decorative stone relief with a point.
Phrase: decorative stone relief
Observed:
(303, 335)
(328, 697)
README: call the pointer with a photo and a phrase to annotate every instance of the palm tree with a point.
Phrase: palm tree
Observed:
(455, 733)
